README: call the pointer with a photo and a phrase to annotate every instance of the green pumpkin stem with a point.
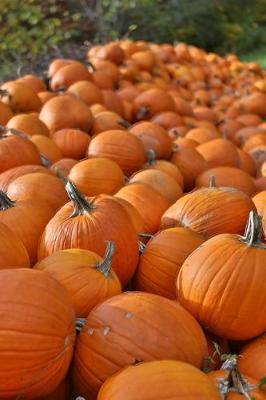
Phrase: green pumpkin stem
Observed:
(254, 231)
(5, 201)
(81, 204)
(212, 182)
(105, 266)
(124, 123)
(151, 155)
(142, 112)
(45, 161)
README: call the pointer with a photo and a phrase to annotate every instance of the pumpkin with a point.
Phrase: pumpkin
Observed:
(228, 177)
(56, 64)
(13, 253)
(165, 166)
(135, 217)
(182, 107)
(62, 167)
(97, 176)
(45, 96)
(148, 202)
(113, 102)
(206, 277)
(36, 83)
(210, 211)
(102, 80)
(205, 114)
(190, 163)
(122, 147)
(20, 97)
(48, 187)
(87, 92)
(13, 173)
(112, 52)
(73, 143)
(159, 181)
(244, 134)
(219, 152)
(162, 259)
(69, 74)
(62, 392)
(27, 219)
(167, 119)
(255, 141)
(5, 113)
(151, 102)
(38, 312)
(128, 93)
(47, 147)
(28, 124)
(153, 137)
(87, 277)
(86, 223)
(202, 135)
(260, 202)
(252, 358)
(119, 333)
(246, 162)
(171, 379)
(254, 104)
(66, 112)
(182, 142)
(249, 119)
(258, 154)
(144, 59)
(16, 150)
(108, 120)
(108, 68)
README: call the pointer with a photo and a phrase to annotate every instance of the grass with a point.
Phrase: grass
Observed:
(258, 56)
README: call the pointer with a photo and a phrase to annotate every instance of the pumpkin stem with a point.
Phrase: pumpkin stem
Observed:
(254, 231)
(89, 64)
(212, 182)
(80, 322)
(124, 123)
(5, 201)
(142, 247)
(105, 266)
(142, 112)
(175, 132)
(151, 155)
(81, 205)
(45, 161)
(146, 235)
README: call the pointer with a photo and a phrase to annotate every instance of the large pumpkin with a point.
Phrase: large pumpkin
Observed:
(13, 253)
(122, 147)
(11, 174)
(202, 212)
(219, 152)
(20, 97)
(159, 379)
(86, 91)
(133, 327)
(37, 332)
(87, 277)
(30, 124)
(216, 277)
(162, 259)
(97, 176)
(86, 224)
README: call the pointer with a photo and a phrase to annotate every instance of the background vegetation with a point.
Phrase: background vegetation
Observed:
(34, 31)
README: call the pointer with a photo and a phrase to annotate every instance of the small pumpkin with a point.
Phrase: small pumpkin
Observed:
(87, 92)
(29, 124)
(63, 166)
(69, 74)
(47, 147)
(88, 278)
(72, 143)
(165, 166)
(252, 358)
(20, 97)
(219, 152)
(151, 102)
(5, 113)
(108, 120)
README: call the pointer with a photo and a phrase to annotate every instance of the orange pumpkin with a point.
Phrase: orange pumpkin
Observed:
(69, 74)
(167, 120)
(5, 113)
(108, 120)
(38, 312)
(246, 162)
(97, 176)
(206, 276)
(119, 333)
(219, 152)
(113, 102)
(87, 92)
(202, 135)
(47, 147)
(29, 124)
(13, 173)
(85, 223)
(36, 83)
(63, 166)
(20, 97)
(170, 379)
(153, 137)
(122, 147)
(13, 253)
(163, 256)
(167, 167)
(72, 143)
(252, 358)
(87, 277)
(151, 102)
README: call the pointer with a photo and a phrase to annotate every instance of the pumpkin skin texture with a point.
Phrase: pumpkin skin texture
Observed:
(97, 176)
(86, 276)
(206, 279)
(63, 167)
(246, 163)
(136, 218)
(27, 219)
(29, 124)
(159, 181)
(210, 211)
(72, 143)
(153, 137)
(87, 224)
(252, 359)
(168, 168)
(22, 98)
(47, 147)
(13, 253)
(122, 147)
(148, 202)
(5, 113)
(11, 157)
(219, 152)
(11, 174)
(162, 259)
(228, 177)
(87, 92)
(165, 379)
(49, 189)
(66, 112)
(190, 163)
(117, 333)
(106, 121)
(38, 312)
(151, 102)
(69, 74)
(260, 203)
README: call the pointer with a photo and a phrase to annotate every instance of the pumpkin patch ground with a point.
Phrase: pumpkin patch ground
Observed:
(133, 227)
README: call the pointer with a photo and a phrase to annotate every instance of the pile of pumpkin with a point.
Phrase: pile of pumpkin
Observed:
(132, 227)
